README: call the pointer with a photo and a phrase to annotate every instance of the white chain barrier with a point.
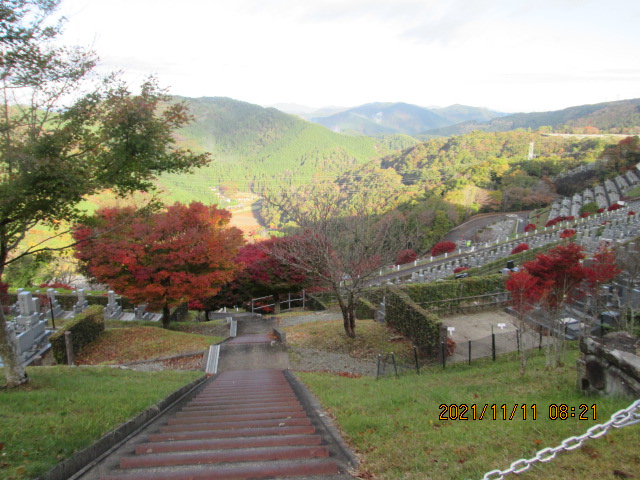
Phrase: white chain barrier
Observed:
(622, 418)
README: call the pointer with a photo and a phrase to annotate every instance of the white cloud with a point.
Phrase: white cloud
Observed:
(505, 54)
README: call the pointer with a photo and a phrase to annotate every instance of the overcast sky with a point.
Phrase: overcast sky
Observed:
(508, 55)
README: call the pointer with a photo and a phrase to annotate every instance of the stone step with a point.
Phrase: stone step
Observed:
(251, 429)
(241, 397)
(227, 443)
(243, 472)
(224, 418)
(246, 404)
(239, 411)
(225, 456)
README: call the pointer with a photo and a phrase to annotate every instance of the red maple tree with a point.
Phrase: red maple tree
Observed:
(181, 254)
(406, 256)
(265, 274)
(442, 248)
(557, 278)
(519, 248)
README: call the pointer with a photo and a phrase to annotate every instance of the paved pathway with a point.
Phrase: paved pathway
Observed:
(241, 424)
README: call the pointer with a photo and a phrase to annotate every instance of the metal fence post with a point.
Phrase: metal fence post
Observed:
(493, 344)
(415, 356)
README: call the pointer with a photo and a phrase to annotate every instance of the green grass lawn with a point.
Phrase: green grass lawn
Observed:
(64, 409)
(394, 424)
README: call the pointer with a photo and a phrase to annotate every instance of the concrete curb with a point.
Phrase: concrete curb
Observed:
(322, 421)
(74, 465)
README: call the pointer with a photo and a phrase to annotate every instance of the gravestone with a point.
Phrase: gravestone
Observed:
(380, 312)
(55, 307)
(140, 311)
(29, 309)
(112, 311)
(82, 304)
(28, 331)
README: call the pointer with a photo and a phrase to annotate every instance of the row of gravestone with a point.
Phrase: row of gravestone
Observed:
(29, 333)
(618, 227)
(603, 195)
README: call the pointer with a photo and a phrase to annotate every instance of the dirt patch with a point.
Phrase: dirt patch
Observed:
(478, 325)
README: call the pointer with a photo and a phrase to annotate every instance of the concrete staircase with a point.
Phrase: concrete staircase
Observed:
(254, 421)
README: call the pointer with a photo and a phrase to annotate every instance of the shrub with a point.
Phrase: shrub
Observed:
(84, 328)
(567, 233)
(530, 227)
(442, 248)
(600, 210)
(614, 207)
(631, 212)
(406, 256)
(519, 248)
(460, 269)
(588, 208)
(60, 285)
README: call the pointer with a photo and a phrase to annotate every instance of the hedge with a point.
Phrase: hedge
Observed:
(406, 316)
(365, 309)
(320, 301)
(85, 328)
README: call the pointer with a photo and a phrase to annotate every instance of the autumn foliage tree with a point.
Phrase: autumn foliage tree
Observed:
(554, 280)
(265, 274)
(163, 259)
(341, 239)
(525, 295)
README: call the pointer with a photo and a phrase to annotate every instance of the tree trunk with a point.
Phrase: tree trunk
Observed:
(166, 321)
(348, 315)
(14, 373)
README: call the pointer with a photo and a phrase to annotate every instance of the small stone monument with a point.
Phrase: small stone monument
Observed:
(140, 311)
(55, 307)
(29, 309)
(82, 304)
(380, 312)
(28, 332)
(610, 365)
(112, 311)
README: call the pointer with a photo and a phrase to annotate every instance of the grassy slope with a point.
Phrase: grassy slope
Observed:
(373, 339)
(394, 424)
(64, 409)
(124, 345)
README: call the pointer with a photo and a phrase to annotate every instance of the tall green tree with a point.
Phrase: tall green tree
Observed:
(61, 140)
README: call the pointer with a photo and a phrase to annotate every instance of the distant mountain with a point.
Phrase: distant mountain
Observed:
(308, 113)
(252, 144)
(611, 117)
(390, 118)
(463, 113)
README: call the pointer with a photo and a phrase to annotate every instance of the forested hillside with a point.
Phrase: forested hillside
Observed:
(610, 117)
(431, 187)
(251, 144)
(492, 171)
